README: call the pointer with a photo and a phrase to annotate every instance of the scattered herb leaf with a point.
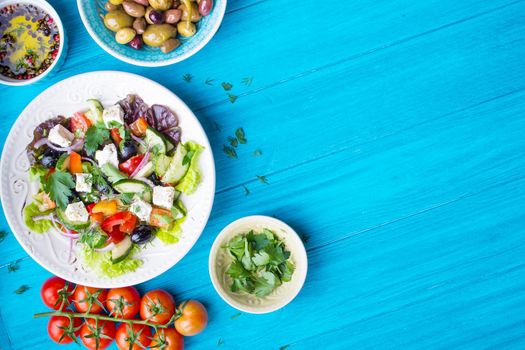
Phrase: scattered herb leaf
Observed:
(187, 77)
(247, 81)
(239, 133)
(226, 86)
(305, 238)
(233, 141)
(22, 289)
(235, 316)
(257, 153)
(284, 347)
(220, 342)
(3, 235)
(232, 98)
(230, 151)
(59, 185)
(262, 179)
(246, 190)
(209, 81)
(13, 266)
(95, 136)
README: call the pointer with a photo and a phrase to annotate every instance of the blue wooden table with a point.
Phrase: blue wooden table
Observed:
(392, 136)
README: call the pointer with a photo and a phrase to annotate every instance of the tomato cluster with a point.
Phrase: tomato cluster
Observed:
(97, 316)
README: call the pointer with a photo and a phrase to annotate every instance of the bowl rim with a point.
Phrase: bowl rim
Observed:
(223, 293)
(124, 58)
(46, 6)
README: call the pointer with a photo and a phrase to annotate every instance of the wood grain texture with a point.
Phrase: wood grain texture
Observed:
(392, 136)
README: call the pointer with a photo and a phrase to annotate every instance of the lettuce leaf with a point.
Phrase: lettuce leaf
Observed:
(103, 267)
(171, 235)
(38, 226)
(189, 182)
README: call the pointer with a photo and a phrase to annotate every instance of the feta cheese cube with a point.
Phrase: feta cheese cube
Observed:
(107, 155)
(77, 212)
(141, 209)
(163, 196)
(84, 182)
(60, 136)
(113, 114)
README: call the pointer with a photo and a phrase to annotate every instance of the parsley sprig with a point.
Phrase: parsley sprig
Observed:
(95, 136)
(59, 185)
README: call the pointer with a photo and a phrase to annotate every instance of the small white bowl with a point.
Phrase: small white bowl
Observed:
(61, 56)
(220, 259)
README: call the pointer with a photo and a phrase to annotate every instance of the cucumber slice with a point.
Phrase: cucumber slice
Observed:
(162, 164)
(72, 225)
(155, 140)
(95, 110)
(121, 250)
(113, 174)
(134, 186)
(146, 170)
(176, 170)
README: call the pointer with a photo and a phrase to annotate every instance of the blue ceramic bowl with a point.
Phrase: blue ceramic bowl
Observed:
(92, 10)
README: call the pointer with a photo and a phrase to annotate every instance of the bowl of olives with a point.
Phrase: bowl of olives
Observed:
(152, 33)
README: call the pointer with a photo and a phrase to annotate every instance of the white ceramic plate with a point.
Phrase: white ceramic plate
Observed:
(220, 260)
(51, 250)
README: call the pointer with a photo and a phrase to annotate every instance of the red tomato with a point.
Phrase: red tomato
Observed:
(167, 339)
(57, 293)
(90, 299)
(193, 319)
(80, 123)
(123, 302)
(124, 221)
(115, 236)
(89, 207)
(133, 337)
(91, 332)
(131, 164)
(157, 306)
(115, 135)
(61, 330)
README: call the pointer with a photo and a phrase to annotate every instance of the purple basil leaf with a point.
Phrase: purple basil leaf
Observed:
(42, 130)
(134, 108)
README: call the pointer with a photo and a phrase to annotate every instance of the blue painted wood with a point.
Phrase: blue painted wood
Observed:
(392, 135)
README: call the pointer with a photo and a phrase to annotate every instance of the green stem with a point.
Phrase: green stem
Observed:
(100, 317)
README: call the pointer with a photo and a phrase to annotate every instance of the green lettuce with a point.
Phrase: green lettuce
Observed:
(38, 226)
(171, 235)
(102, 265)
(189, 182)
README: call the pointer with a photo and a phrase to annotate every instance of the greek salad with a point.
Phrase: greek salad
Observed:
(111, 179)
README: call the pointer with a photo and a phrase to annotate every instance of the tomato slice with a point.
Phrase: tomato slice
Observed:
(79, 122)
(116, 236)
(129, 225)
(115, 135)
(131, 164)
(124, 222)
(139, 127)
(75, 163)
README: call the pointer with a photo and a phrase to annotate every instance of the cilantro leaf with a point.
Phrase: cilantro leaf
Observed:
(240, 135)
(232, 141)
(247, 81)
(22, 289)
(187, 77)
(230, 151)
(232, 98)
(95, 136)
(265, 284)
(59, 185)
(226, 86)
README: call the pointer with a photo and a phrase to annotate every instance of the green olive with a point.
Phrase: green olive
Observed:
(169, 45)
(116, 2)
(195, 15)
(118, 19)
(125, 35)
(156, 34)
(139, 24)
(161, 4)
(133, 9)
(186, 28)
(110, 7)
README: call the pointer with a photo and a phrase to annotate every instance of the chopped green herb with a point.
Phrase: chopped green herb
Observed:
(262, 179)
(226, 86)
(230, 151)
(126, 198)
(246, 190)
(247, 81)
(236, 315)
(187, 77)
(257, 153)
(13, 266)
(209, 81)
(232, 98)
(233, 141)
(22, 289)
(220, 342)
(95, 136)
(239, 133)
(284, 347)
(3, 235)
(59, 185)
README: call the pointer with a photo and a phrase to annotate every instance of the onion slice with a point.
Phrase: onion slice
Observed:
(77, 146)
(106, 248)
(143, 162)
(147, 181)
(138, 139)
(89, 160)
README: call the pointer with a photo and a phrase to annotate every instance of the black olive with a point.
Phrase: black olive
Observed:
(127, 149)
(49, 158)
(155, 179)
(142, 234)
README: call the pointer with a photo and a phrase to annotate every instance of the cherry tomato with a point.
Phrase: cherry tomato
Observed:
(115, 135)
(79, 123)
(157, 306)
(123, 302)
(57, 293)
(139, 127)
(167, 339)
(60, 329)
(91, 332)
(131, 164)
(90, 299)
(133, 337)
(193, 320)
